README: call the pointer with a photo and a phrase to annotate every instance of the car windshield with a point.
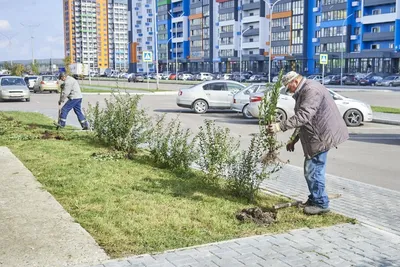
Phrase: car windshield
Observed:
(49, 78)
(12, 81)
(390, 78)
(32, 78)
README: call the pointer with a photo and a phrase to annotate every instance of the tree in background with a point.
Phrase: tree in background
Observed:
(35, 67)
(17, 69)
(67, 63)
(7, 66)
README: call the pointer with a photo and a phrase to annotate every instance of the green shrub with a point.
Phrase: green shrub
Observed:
(216, 150)
(121, 124)
(170, 145)
(246, 173)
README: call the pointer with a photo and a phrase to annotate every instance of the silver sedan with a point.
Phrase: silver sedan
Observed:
(241, 100)
(208, 95)
(13, 88)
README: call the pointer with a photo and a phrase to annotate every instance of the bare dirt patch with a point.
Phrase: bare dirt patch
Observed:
(257, 215)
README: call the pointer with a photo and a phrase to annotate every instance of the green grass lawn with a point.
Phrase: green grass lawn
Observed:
(110, 89)
(386, 109)
(130, 206)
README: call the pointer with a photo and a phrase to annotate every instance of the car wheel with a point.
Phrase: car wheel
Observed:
(390, 84)
(246, 113)
(200, 106)
(280, 115)
(27, 100)
(353, 117)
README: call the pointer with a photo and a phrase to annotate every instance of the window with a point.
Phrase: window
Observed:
(375, 46)
(334, 15)
(391, 45)
(357, 31)
(234, 87)
(393, 9)
(215, 87)
(356, 48)
(375, 29)
(391, 28)
(376, 12)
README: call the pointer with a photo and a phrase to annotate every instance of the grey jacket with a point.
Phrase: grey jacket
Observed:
(317, 116)
(71, 90)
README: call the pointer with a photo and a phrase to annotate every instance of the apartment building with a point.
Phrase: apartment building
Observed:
(95, 33)
(141, 34)
(164, 35)
(203, 35)
(359, 35)
(228, 35)
(180, 48)
(118, 34)
(255, 35)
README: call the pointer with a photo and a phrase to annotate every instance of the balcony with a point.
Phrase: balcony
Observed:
(378, 2)
(355, 3)
(378, 36)
(251, 32)
(177, 9)
(358, 20)
(251, 6)
(315, 40)
(318, 24)
(353, 37)
(381, 18)
(315, 9)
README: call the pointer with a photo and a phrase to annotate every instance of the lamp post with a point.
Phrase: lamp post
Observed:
(271, 9)
(156, 41)
(167, 50)
(176, 44)
(341, 63)
(241, 51)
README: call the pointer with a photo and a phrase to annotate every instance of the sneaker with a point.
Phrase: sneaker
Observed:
(85, 128)
(58, 126)
(307, 203)
(315, 210)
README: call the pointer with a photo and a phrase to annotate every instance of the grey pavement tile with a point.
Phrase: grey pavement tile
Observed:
(228, 262)
(118, 263)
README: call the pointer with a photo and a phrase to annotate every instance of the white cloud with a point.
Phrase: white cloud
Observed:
(4, 25)
(3, 43)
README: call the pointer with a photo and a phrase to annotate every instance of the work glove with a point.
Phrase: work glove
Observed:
(274, 128)
(290, 146)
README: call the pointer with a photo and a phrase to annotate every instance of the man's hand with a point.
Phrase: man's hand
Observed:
(274, 128)
(290, 146)
(59, 103)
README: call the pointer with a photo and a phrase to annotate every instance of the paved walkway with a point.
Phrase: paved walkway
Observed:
(35, 230)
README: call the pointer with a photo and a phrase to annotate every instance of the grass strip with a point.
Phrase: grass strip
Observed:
(386, 109)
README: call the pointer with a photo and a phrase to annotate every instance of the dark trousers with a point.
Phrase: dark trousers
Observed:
(75, 104)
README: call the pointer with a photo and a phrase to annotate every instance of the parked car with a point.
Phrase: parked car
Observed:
(350, 79)
(208, 95)
(317, 78)
(185, 77)
(136, 77)
(226, 77)
(172, 76)
(335, 80)
(205, 76)
(241, 100)
(327, 79)
(370, 80)
(30, 81)
(46, 83)
(258, 78)
(13, 87)
(354, 112)
(388, 81)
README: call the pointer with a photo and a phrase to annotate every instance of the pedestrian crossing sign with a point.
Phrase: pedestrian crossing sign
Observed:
(323, 59)
(147, 56)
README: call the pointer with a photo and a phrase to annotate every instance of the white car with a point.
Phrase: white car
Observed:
(30, 81)
(354, 112)
(13, 88)
(241, 100)
(317, 78)
(205, 76)
(208, 95)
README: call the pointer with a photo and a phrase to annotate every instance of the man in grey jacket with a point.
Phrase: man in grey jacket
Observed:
(72, 91)
(320, 127)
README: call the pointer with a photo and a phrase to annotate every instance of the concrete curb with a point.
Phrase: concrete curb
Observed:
(389, 122)
(135, 93)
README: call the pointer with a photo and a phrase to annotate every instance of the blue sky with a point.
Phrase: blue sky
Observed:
(48, 36)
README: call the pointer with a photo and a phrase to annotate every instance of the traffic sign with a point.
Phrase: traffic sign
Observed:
(323, 59)
(147, 56)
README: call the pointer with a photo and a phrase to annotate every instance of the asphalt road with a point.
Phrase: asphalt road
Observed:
(371, 155)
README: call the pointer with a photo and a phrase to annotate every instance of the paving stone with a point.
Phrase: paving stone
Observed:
(123, 263)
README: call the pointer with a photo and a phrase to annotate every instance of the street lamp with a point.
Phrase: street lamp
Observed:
(176, 43)
(167, 50)
(156, 41)
(241, 51)
(341, 63)
(271, 9)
